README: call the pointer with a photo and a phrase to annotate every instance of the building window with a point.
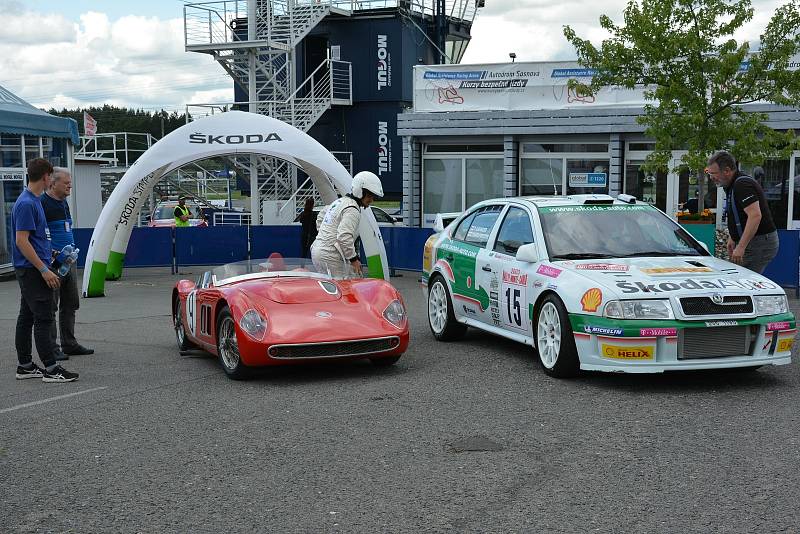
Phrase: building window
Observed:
(641, 147)
(776, 184)
(33, 148)
(647, 186)
(55, 151)
(541, 176)
(484, 179)
(564, 168)
(442, 185)
(10, 150)
(587, 176)
(452, 149)
(551, 148)
(454, 182)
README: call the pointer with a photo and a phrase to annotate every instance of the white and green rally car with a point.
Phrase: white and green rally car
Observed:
(595, 283)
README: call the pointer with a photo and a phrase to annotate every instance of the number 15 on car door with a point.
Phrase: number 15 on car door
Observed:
(514, 299)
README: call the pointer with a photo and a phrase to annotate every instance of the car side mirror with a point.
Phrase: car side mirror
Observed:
(438, 226)
(528, 253)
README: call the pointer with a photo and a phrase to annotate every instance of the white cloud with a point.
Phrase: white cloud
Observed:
(140, 61)
(133, 61)
(21, 29)
(533, 29)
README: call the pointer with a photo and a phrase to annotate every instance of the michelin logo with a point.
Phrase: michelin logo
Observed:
(601, 330)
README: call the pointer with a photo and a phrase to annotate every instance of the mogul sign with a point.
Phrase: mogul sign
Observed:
(384, 63)
(384, 148)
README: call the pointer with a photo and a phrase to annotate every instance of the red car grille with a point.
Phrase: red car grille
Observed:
(335, 349)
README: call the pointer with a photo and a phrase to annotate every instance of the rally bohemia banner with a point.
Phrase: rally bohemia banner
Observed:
(517, 86)
(511, 86)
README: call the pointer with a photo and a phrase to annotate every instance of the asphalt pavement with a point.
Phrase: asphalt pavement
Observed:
(457, 437)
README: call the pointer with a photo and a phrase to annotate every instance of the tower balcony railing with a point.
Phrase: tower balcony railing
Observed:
(224, 22)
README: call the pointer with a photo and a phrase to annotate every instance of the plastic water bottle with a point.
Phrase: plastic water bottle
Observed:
(70, 254)
(58, 260)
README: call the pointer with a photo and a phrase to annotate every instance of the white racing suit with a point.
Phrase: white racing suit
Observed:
(334, 247)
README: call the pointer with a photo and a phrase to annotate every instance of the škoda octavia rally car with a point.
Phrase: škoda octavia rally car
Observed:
(600, 284)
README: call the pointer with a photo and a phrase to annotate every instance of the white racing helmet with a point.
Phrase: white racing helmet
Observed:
(368, 181)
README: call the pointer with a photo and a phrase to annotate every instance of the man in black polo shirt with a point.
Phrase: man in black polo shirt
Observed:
(754, 239)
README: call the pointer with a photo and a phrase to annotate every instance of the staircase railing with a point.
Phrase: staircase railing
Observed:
(330, 83)
(224, 22)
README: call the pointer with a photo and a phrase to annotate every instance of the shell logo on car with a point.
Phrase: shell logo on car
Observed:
(591, 300)
(628, 353)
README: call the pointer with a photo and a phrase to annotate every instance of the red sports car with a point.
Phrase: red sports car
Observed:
(280, 311)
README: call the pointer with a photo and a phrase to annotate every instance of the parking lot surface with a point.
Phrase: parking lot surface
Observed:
(468, 436)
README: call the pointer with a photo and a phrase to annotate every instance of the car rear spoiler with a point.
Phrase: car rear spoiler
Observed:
(443, 220)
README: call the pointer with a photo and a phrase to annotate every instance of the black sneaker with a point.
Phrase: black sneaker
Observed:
(59, 374)
(60, 356)
(78, 350)
(35, 372)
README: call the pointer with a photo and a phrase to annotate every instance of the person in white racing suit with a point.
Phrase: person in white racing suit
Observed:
(334, 248)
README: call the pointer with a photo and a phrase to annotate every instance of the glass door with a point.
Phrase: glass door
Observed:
(775, 176)
(683, 188)
(647, 186)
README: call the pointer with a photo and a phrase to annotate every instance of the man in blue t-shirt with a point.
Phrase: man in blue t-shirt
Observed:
(66, 299)
(31, 254)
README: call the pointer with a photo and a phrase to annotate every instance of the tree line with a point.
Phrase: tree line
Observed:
(112, 119)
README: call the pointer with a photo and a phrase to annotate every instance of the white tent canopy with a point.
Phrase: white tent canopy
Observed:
(234, 132)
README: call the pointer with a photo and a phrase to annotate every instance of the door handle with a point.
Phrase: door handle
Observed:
(487, 268)
(449, 257)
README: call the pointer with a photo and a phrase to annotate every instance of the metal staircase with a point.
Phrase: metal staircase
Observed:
(254, 41)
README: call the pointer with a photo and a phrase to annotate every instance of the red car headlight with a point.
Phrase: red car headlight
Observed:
(253, 325)
(395, 313)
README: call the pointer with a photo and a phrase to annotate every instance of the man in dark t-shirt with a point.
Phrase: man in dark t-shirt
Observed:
(754, 239)
(66, 300)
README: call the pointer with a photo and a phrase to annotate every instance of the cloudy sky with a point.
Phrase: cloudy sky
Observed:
(56, 53)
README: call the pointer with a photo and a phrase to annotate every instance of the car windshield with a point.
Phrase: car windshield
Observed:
(613, 231)
(272, 267)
